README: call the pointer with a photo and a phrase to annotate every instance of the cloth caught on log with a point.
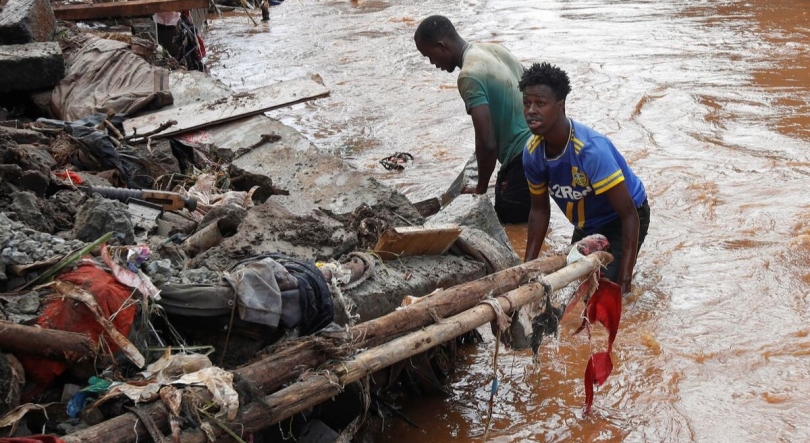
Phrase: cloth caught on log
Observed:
(315, 298)
(269, 289)
(105, 75)
(262, 295)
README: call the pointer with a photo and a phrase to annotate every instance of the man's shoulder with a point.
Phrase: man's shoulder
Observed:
(481, 57)
(587, 139)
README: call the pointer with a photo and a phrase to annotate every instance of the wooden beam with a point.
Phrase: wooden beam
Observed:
(124, 9)
(416, 240)
(238, 105)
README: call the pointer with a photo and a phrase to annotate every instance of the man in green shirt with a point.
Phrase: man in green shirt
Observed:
(487, 81)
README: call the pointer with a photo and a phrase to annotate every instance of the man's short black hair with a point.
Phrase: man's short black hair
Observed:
(549, 75)
(433, 29)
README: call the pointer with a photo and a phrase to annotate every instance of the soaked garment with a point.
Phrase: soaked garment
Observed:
(489, 76)
(578, 178)
(512, 200)
(613, 232)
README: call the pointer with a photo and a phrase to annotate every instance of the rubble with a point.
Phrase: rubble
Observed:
(273, 253)
(26, 21)
(100, 215)
(30, 66)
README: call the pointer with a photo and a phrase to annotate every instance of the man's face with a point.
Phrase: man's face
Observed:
(541, 108)
(438, 54)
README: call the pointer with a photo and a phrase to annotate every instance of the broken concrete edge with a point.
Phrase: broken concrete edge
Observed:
(26, 21)
(30, 66)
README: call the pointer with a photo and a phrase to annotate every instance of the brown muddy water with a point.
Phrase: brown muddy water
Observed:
(708, 100)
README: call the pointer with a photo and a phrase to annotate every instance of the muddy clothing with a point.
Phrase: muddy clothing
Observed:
(578, 178)
(489, 76)
(512, 200)
(613, 232)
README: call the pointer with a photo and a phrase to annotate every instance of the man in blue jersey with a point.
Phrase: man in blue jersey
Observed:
(584, 174)
(487, 81)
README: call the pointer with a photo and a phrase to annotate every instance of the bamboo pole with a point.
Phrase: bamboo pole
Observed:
(287, 364)
(324, 385)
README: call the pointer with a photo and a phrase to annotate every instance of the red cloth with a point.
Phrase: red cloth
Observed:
(71, 176)
(604, 306)
(71, 315)
(33, 439)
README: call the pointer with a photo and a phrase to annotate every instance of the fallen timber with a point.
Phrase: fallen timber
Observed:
(286, 365)
(330, 381)
(48, 343)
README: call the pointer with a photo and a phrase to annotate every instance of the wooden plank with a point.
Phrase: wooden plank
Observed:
(417, 240)
(238, 105)
(124, 9)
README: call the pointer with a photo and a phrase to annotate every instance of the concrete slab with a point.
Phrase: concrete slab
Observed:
(26, 21)
(475, 211)
(293, 162)
(30, 66)
(286, 224)
(417, 276)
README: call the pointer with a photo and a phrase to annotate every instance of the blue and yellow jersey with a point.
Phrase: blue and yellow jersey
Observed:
(577, 180)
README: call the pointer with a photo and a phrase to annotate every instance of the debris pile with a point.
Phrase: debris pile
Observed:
(142, 268)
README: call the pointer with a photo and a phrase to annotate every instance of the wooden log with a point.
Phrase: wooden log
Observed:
(287, 365)
(124, 9)
(327, 383)
(279, 368)
(49, 343)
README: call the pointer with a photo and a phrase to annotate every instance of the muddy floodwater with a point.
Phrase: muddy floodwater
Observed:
(710, 103)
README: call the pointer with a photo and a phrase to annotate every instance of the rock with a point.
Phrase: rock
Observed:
(35, 181)
(160, 271)
(200, 275)
(25, 136)
(26, 206)
(42, 101)
(40, 155)
(99, 216)
(26, 21)
(30, 66)
(68, 201)
(10, 173)
(28, 303)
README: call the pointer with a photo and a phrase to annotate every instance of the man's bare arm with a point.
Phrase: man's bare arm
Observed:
(622, 203)
(538, 225)
(486, 148)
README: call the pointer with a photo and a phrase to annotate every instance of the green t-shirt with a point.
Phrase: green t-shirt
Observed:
(489, 76)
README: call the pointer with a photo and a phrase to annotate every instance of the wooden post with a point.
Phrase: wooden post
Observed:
(48, 343)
